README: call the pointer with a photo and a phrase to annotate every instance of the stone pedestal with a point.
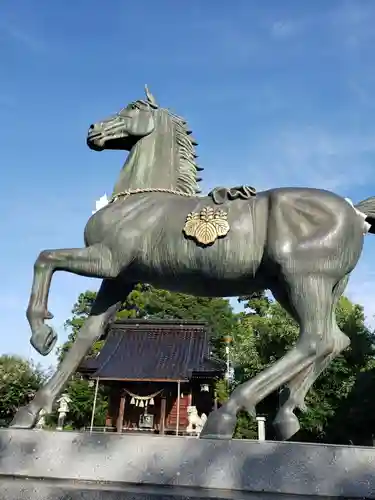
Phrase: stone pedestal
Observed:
(43, 465)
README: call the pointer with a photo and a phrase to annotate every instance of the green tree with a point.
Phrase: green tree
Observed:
(354, 419)
(19, 380)
(266, 332)
(148, 302)
(80, 312)
(353, 375)
(333, 388)
(82, 393)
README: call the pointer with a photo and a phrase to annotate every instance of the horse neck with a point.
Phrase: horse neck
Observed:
(152, 163)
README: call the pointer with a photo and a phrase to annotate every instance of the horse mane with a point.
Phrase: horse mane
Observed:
(187, 176)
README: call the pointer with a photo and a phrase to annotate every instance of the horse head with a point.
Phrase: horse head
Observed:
(123, 130)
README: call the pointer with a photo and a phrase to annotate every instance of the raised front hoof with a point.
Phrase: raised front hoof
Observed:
(43, 339)
(24, 419)
(220, 425)
(286, 427)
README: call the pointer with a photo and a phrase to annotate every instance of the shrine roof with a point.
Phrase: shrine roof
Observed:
(163, 350)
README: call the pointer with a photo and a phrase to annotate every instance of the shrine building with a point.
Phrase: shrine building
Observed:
(156, 370)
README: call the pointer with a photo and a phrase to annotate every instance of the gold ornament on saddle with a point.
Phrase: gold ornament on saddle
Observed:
(207, 225)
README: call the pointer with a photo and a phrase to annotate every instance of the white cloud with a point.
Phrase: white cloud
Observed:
(361, 288)
(286, 29)
(341, 162)
(316, 157)
(352, 23)
(313, 157)
(23, 37)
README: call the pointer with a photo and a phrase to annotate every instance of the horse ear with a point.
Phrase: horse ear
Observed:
(150, 98)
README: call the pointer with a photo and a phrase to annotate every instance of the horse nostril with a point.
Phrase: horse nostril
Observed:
(91, 127)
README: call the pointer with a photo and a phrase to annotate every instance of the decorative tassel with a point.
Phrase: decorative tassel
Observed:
(152, 402)
(141, 404)
(132, 402)
(137, 403)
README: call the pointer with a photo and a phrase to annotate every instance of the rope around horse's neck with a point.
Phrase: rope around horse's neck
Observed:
(123, 194)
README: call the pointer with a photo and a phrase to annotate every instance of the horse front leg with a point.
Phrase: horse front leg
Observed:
(105, 306)
(94, 262)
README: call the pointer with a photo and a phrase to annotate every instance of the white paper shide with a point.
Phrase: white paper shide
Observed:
(101, 203)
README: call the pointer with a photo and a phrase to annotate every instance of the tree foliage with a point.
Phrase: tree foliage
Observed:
(266, 332)
(82, 393)
(262, 333)
(80, 311)
(145, 301)
(19, 380)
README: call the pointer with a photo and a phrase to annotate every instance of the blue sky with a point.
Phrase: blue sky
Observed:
(277, 93)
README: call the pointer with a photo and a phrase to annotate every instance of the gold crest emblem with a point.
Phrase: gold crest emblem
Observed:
(207, 225)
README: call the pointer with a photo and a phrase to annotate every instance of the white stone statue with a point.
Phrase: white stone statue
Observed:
(196, 422)
(42, 419)
(63, 409)
(64, 401)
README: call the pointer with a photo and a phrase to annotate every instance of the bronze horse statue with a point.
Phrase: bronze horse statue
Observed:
(300, 243)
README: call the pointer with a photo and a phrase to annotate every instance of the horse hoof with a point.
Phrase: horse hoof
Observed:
(24, 419)
(43, 339)
(49, 315)
(286, 427)
(219, 425)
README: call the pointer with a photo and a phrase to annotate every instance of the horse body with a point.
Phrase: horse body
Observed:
(300, 243)
(148, 228)
(143, 235)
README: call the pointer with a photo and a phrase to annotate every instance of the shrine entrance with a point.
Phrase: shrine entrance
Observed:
(143, 411)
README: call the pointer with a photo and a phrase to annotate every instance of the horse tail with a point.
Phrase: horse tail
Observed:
(367, 207)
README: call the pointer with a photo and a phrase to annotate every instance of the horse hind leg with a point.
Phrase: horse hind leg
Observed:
(293, 395)
(309, 298)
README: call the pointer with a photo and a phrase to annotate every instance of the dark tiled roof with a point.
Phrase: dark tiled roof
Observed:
(153, 350)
